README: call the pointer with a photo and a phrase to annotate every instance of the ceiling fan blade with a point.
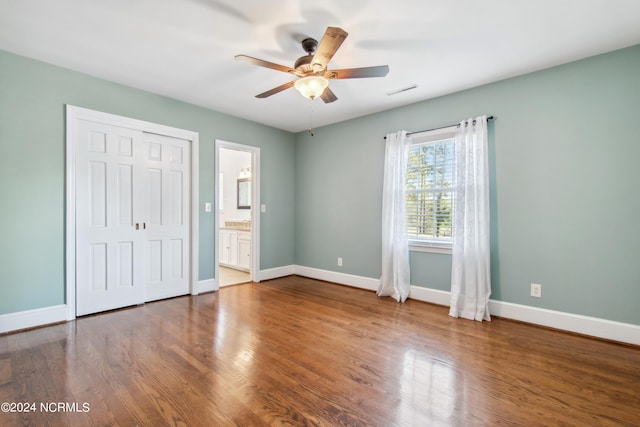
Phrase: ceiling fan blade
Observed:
(267, 64)
(357, 73)
(276, 90)
(328, 46)
(328, 96)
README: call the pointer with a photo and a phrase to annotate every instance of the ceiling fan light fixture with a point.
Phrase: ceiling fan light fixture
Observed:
(311, 69)
(311, 86)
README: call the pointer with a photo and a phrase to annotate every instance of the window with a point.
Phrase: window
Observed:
(430, 191)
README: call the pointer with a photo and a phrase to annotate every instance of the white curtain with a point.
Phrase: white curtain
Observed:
(395, 247)
(470, 271)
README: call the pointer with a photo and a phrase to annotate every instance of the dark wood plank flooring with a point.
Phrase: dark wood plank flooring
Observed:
(296, 351)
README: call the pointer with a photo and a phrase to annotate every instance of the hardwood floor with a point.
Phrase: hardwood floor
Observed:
(296, 351)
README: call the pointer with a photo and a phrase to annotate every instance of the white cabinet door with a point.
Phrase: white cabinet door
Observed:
(132, 217)
(244, 250)
(229, 247)
(223, 247)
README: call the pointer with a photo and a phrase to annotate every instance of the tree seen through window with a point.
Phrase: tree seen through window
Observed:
(430, 191)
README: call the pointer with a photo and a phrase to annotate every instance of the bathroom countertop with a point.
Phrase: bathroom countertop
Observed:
(224, 227)
(236, 225)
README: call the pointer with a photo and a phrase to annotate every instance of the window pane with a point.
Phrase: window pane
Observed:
(430, 191)
(430, 215)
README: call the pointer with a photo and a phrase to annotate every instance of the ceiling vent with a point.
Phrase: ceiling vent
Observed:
(395, 92)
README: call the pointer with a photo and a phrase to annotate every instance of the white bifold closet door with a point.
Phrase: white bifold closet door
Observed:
(132, 217)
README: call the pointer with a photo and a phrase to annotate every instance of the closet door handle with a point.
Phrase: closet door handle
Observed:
(137, 226)
(144, 225)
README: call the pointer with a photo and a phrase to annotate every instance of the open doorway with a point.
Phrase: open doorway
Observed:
(237, 196)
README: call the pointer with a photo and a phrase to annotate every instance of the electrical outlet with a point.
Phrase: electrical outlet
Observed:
(339, 261)
(536, 290)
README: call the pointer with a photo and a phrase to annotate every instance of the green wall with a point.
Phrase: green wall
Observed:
(565, 202)
(32, 173)
(564, 148)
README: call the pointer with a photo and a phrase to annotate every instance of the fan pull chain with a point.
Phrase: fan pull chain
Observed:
(310, 117)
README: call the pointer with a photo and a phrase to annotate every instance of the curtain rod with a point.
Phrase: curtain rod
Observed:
(441, 127)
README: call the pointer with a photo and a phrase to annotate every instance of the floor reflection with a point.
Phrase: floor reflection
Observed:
(427, 387)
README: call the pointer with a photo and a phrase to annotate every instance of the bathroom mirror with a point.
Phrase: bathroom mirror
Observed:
(244, 193)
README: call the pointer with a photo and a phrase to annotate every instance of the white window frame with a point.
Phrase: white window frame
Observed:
(426, 137)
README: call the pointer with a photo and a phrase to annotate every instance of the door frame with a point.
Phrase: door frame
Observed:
(255, 208)
(73, 114)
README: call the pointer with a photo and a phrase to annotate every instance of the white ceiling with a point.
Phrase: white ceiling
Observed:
(185, 49)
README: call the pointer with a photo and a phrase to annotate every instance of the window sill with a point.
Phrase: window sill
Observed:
(421, 247)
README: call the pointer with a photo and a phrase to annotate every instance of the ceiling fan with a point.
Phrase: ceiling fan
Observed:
(312, 69)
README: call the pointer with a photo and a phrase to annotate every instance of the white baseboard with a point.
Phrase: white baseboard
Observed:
(32, 318)
(335, 277)
(434, 296)
(586, 325)
(274, 273)
(592, 326)
(208, 285)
